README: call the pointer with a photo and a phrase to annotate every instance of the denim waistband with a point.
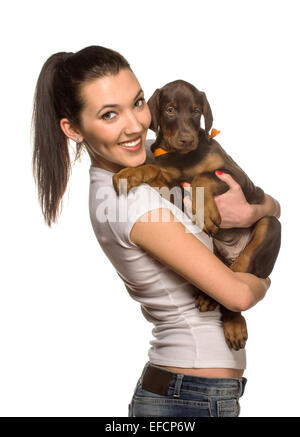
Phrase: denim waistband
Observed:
(208, 386)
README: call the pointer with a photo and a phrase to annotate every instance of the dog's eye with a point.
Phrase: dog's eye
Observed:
(170, 110)
(196, 111)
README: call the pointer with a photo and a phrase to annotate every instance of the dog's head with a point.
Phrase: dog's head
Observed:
(176, 110)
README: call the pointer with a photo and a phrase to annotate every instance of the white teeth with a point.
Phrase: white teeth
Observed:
(131, 144)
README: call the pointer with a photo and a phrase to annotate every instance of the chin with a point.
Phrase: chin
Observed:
(137, 160)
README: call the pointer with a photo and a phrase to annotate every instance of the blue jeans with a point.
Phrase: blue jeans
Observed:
(189, 396)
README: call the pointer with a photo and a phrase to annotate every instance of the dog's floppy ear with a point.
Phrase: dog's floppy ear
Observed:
(153, 104)
(208, 117)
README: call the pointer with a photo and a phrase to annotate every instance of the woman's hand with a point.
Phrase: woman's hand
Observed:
(233, 207)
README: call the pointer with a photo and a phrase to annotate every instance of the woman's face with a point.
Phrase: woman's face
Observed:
(114, 121)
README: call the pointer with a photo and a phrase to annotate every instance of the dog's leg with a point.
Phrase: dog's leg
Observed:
(261, 252)
(258, 258)
(235, 328)
(212, 217)
(212, 221)
(135, 176)
(204, 302)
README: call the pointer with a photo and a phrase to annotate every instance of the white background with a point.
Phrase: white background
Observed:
(72, 342)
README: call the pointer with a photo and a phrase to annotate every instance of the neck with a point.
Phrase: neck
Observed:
(105, 165)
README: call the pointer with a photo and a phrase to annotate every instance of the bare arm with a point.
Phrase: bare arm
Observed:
(269, 207)
(169, 243)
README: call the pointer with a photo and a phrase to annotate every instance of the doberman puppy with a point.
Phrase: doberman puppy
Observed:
(183, 151)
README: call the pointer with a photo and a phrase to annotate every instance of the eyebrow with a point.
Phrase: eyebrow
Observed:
(113, 105)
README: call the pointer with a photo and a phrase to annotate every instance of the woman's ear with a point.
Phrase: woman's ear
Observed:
(70, 131)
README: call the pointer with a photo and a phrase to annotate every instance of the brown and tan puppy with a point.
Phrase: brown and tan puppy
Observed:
(183, 151)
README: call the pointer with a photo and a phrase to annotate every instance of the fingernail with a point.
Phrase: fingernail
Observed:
(219, 172)
(182, 184)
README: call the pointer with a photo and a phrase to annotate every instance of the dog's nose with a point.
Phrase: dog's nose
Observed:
(185, 139)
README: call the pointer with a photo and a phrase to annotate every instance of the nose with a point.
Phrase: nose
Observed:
(132, 124)
(185, 139)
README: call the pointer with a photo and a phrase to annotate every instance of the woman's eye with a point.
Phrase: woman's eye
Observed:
(108, 115)
(140, 102)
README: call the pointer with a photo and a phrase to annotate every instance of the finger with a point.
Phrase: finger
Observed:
(185, 184)
(187, 205)
(187, 202)
(187, 187)
(226, 177)
(268, 282)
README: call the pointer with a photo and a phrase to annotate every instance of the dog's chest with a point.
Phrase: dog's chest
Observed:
(176, 171)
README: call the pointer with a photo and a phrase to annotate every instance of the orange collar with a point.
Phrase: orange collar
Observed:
(214, 133)
(159, 151)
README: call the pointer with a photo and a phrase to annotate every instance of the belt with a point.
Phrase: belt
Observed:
(157, 380)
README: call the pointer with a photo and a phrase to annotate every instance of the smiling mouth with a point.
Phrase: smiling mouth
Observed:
(134, 144)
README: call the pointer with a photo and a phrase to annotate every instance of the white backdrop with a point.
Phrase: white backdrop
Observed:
(72, 342)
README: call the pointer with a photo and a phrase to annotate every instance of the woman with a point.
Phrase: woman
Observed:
(92, 97)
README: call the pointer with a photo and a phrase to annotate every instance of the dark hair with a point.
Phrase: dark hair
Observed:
(57, 96)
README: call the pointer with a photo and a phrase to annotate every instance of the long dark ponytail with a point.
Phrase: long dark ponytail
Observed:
(57, 96)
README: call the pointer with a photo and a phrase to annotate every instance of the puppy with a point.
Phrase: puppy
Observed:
(184, 151)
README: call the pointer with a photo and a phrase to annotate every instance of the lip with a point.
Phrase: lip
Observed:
(132, 149)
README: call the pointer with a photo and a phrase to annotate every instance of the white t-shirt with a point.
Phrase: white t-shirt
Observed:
(183, 337)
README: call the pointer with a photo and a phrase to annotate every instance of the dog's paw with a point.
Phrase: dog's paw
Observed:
(212, 218)
(126, 179)
(205, 303)
(235, 331)
(208, 219)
